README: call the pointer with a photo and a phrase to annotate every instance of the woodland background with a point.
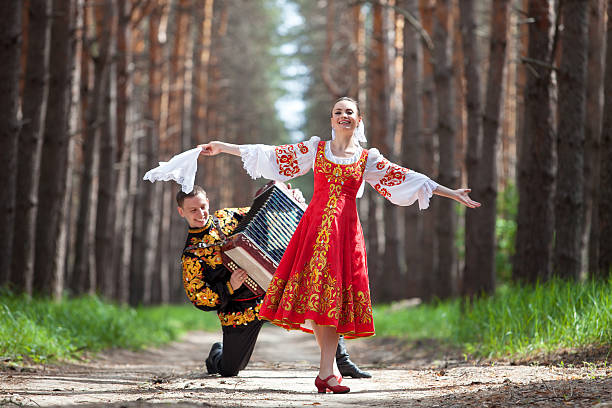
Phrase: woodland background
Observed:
(508, 97)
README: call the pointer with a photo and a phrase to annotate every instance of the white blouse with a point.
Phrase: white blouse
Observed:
(397, 184)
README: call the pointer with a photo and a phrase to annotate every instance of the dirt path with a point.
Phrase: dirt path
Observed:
(282, 371)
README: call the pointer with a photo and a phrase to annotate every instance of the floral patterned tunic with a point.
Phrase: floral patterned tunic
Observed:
(206, 280)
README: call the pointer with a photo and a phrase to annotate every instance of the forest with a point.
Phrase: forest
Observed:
(508, 97)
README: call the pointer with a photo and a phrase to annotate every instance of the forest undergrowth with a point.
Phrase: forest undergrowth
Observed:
(516, 322)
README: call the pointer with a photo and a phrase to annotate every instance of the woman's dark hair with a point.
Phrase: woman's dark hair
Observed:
(345, 98)
(181, 196)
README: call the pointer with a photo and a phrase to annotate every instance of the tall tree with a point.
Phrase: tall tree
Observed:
(592, 133)
(490, 143)
(477, 275)
(570, 140)
(412, 141)
(429, 256)
(535, 220)
(443, 76)
(52, 189)
(10, 54)
(84, 274)
(378, 114)
(605, 184)
(107, 173)
(30, 142)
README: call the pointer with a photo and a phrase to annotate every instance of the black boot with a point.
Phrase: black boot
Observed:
(214, 358)
(345, 365)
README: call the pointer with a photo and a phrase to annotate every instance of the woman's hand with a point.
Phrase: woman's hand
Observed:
(237, 279)
(462, 196)
(211, 148)
(214, 148)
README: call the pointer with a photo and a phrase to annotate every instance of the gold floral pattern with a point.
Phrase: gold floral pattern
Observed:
(240, 318)
(197, 291)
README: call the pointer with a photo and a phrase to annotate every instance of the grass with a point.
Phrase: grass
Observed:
(41, 330)
(516, 321)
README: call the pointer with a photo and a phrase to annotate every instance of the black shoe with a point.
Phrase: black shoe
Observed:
(212, 362)
(345, 365)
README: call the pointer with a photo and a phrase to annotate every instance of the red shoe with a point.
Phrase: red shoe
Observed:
(323, 386)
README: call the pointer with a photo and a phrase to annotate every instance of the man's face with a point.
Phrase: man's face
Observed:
(195, 210)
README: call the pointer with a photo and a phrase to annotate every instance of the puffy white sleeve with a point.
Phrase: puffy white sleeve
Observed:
(397, 184)
(280, 163)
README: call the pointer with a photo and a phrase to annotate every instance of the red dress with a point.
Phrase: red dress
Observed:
(323, 275)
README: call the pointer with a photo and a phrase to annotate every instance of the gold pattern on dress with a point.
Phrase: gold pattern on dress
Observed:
(240, 318)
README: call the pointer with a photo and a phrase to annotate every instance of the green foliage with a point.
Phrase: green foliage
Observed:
(505, 231)
(42, 330)
(515, 321)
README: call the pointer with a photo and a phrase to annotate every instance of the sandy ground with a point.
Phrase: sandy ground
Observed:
(282, 371)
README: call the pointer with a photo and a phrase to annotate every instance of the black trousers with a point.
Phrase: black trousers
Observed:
(238, 345)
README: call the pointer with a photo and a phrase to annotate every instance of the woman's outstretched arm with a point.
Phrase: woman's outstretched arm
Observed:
(460, 195)
(214, 148)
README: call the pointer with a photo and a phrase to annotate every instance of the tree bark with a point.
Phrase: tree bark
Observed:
(10, 54)
(30, 143)
(378, 114)
(55, 158)
(412, 142)
(605, 184)
(107, 173)
(84, 273)
(429, 256)
(447, 220)
(535, 220)
(477, 275)
(570, 140)
(123, 195)
(592, 134)
(490, 143)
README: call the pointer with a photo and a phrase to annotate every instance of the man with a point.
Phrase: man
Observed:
(211, 286)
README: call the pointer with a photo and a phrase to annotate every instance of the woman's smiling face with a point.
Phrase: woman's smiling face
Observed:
(345, 116)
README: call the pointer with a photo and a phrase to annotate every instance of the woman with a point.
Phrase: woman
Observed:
(321, 284)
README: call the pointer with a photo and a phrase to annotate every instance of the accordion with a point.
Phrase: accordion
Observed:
(261, 238)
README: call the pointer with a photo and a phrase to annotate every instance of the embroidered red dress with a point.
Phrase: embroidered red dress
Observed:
(323, 274)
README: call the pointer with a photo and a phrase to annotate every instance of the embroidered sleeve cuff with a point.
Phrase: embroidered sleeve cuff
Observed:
(229, 287)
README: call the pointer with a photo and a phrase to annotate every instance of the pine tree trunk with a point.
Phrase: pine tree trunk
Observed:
(592, 134)
(412, 154)
(30, 143)
(141, 284)
(605, 184)
(570, 140)
(490, 143)
(447, 219)
(477, 275)
(124, 197)
(84, 272)
(55, 151)
(429, 258)
(10, 54)
(107, 173)
(535, 220)
(385, 273)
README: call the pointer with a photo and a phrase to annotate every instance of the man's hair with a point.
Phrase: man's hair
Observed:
(181, 196)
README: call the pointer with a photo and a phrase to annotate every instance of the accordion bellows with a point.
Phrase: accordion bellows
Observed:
(261, 238)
